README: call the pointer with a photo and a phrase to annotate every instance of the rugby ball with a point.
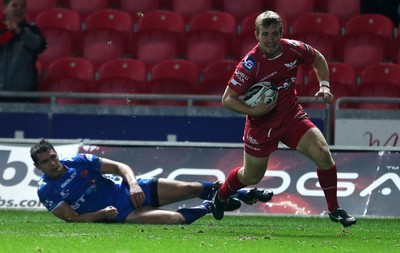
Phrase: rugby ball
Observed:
(254, 94)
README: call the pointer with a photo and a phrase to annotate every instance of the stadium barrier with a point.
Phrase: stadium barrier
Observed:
(50, 119)
(368, 177)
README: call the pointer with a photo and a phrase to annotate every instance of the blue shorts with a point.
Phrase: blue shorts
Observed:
(123, 201)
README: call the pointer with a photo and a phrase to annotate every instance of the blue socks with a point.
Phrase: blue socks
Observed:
(207, 190)
(194, 213)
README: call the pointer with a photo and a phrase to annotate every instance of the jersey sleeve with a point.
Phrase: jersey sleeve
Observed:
(84, 161)
(307, 56)
(49, 196)
(244, 75)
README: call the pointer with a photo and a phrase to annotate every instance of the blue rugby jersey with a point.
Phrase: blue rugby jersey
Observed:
(84, 188)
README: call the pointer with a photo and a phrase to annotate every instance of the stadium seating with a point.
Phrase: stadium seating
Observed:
(188, 9)
(242, 8)
(292, 9)
(395, 49)
(33, 8)
(137, 7)
(210, 37)
(107, 31)
(70, 74)
(373, 24)
(110, 19)
(173, 77)
(61, 18)
(60, 43)
(320, 30)
(121, 76)
(375, 90)
(361, 50)
(102, 45)
(158, 37)
(215, 79)
(381, 73)
(87, 7)
(342, 9)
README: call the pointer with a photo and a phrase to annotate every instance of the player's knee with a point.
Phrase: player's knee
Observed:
(175, 218)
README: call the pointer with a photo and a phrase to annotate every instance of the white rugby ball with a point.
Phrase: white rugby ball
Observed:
(254, 94)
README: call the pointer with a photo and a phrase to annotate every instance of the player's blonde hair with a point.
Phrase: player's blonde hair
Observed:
(268, 18)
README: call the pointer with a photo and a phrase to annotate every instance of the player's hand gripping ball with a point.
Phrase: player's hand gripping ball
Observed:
(254, 94)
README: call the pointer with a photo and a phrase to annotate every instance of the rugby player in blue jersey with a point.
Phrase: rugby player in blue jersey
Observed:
(80, 189)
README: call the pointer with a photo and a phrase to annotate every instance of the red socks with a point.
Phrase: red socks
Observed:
(328, 182)
(231, 185)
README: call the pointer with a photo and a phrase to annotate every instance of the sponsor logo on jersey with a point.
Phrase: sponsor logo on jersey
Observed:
(249, 62)
(240, 76)
(252, 140)
(234, 82)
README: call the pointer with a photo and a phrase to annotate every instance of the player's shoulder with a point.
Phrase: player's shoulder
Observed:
(295, 45)
(81, 158)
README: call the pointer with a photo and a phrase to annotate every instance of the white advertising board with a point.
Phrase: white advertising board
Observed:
(367, 132)
(19, 177)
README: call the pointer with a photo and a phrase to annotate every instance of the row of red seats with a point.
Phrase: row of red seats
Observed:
(131, 76)
(212, 36)
(292, 9)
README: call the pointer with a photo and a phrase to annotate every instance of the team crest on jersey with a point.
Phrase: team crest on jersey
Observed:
(249, 62)
(291, 65)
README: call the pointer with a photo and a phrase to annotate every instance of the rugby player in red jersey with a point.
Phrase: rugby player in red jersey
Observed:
(275, 59)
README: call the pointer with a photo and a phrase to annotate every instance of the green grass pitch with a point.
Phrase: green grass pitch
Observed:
(28, 231)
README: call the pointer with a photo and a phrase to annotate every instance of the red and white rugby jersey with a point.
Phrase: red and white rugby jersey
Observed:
(281, 71)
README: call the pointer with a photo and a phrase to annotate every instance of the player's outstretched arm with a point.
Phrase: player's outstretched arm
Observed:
(66, 213)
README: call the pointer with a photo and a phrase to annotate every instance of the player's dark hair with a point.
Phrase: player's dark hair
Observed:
(266, 19)
(40, 147)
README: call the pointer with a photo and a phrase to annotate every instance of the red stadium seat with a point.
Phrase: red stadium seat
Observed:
(320, 30)
(65, 19)
(292, 9)
(60, 43)
(162, 20)
(87, 7)
(206, 47)
(188, 9)
(343, 9)
(380, 80)
(158, 37)
(215, 79)
(242, 8)
(381, 73)
(121, 76)
(374, 24)
(375, 90)
(361, 50)
(395, 49)
(59, 18)
(214, 20)
(110, 19)
(70, 74)
(100, 46)
(173, 77)
(209, 37)
(33, 8)
(137, 7)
